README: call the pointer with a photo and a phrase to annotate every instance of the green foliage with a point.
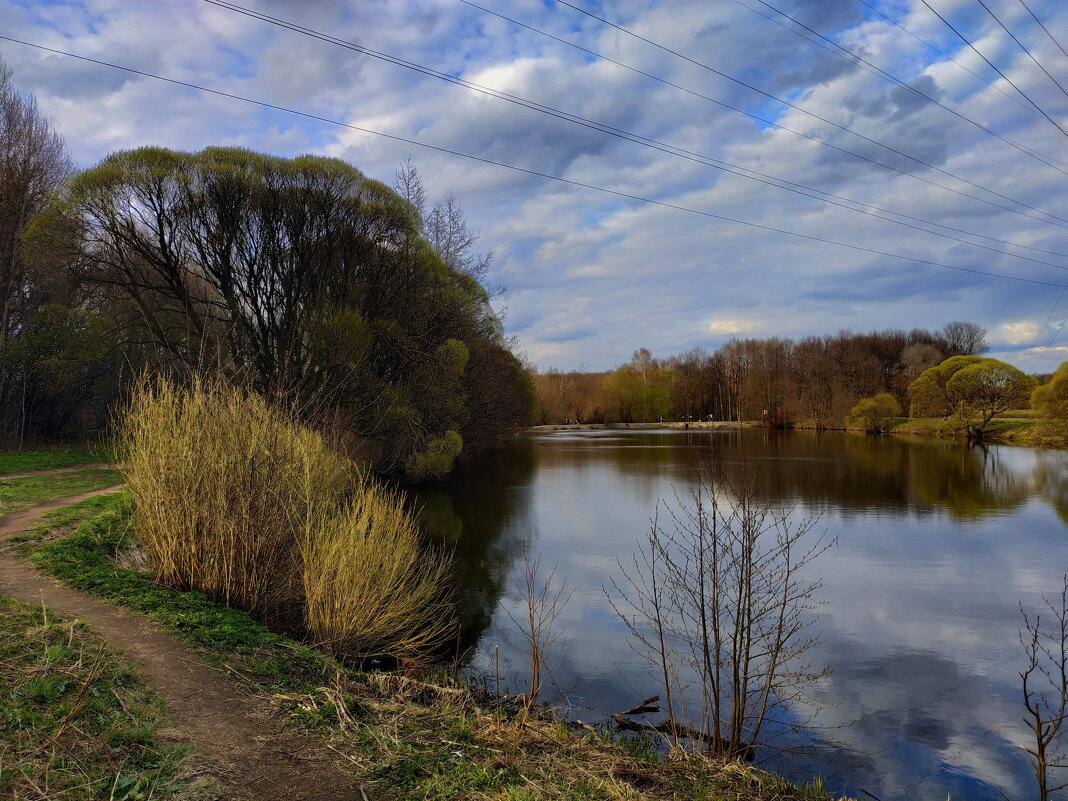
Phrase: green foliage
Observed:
(1051, 399)
(302, 278)
(639, 389)
(436, 457)
(972, 389)
(927, 393)
(878, 413)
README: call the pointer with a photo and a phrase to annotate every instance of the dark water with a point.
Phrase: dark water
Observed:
(937, 546)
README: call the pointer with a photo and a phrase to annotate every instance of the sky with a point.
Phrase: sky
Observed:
(660, 236)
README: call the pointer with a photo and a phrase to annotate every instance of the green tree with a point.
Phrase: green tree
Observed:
(1052, 397)
(971, 389)
(878, 413)
(303, 278)
(638, 390)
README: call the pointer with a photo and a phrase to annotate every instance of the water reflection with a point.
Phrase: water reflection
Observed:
(483, 515)
(937, 545)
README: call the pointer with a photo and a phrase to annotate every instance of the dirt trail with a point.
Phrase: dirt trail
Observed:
(54, 470)
(257, 756)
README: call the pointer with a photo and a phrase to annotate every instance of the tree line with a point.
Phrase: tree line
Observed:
(302, 279)
(818, 378)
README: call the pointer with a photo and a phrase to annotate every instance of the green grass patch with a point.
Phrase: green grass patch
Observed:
(18, 494)
(28, 461)
(75, 721)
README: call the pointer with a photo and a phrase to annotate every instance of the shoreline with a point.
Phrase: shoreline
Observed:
(1026, 433)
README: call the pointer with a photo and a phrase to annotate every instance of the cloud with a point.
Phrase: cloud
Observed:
(730, 327)
(1017, 333)
(667, 278)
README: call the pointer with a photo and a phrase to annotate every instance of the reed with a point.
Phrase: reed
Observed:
(235, 498)
(220, 482)
(371, 587)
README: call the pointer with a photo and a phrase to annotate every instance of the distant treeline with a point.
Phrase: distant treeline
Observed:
(301, 279)
(816, 378)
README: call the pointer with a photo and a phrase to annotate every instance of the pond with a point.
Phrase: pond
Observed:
(937, 545)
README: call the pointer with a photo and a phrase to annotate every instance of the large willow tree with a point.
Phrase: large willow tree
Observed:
(304, 278)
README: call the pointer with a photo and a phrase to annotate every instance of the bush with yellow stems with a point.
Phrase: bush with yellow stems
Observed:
(235, 498)
(370, 587)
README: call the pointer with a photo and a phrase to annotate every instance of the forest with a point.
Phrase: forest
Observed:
(818, 379)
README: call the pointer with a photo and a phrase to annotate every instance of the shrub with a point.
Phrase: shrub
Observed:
(371, 589)
(221, 482)
(1051, 399)
(235, 499)
(878, 413)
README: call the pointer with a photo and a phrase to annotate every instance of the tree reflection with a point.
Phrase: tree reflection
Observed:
(482, 514)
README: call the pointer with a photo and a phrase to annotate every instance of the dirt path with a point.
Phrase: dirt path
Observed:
(54, 470)
(257, 756)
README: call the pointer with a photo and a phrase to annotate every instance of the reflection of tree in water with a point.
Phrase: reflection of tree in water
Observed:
(1050, 479)
(852, 473)
(482, 514)
(967, 482)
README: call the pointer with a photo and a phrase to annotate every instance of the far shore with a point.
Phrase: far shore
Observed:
(1035, 433)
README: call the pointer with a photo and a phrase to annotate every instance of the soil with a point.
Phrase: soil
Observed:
(75, 469)
(254, 754)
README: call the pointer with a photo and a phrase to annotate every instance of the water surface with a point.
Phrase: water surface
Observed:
(937, 544)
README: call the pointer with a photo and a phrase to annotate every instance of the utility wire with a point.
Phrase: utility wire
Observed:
(1034, 344)
(708, 161)
(855, 58)
(1038, 157)
(780, 126)
(1022, 47)
(949, 57)
(531, 172)
(1008, 80)
(1043, 27)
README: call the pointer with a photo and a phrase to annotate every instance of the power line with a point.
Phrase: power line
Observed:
(949, 57)
(1008, 80)
(782, 127)
(708, 161)
(852, 57)
(1022, 47)
(1043, 27)
(1038, 157)
(534, 173)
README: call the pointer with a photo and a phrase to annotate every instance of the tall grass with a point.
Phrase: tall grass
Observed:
(235, 498)
(370, 587)
(219, 480)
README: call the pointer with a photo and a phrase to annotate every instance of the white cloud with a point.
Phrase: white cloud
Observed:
(1017, 333)
(654, 273)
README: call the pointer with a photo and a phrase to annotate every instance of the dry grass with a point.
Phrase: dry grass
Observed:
(371, 589)
(219, 480)
(235, 498)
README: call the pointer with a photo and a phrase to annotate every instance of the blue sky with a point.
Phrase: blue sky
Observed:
(592, 276)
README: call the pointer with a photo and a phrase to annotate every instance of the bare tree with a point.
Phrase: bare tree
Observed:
(543, 602)
(718, 603)
(1044, 682)
(409, 185)
(964, 339)
(33, 164)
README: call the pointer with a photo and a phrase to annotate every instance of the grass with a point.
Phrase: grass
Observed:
(1012, 429)
(75, 721)
(28, 461)
(18, 494)
(409, 736)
